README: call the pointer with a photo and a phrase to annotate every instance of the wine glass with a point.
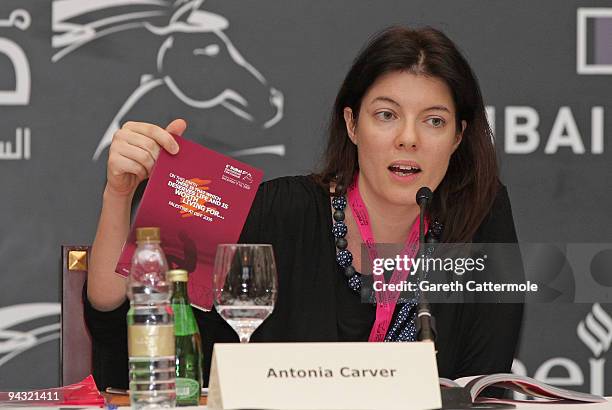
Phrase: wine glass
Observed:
(244, 286)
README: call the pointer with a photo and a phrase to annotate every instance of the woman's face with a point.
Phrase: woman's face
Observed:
(405, 135)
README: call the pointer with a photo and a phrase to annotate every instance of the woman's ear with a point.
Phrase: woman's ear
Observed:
(349, 121)
(459, 136)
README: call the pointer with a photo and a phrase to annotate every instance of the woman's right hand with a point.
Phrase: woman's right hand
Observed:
(133, 152)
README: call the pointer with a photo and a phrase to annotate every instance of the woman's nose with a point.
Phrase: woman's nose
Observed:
(407, 137)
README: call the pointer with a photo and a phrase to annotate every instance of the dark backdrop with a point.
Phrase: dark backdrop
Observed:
(66, 70)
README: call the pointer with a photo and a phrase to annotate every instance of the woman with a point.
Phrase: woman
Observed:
(409, 114)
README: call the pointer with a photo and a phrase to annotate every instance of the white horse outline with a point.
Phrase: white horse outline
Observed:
(13, 342)
(186, 18)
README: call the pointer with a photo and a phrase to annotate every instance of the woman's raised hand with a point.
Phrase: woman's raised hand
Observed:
(133, 153)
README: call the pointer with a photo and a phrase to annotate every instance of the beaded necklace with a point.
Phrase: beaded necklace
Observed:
(344, 257)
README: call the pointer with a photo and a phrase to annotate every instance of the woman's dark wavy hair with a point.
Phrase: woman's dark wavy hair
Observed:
(466, 194)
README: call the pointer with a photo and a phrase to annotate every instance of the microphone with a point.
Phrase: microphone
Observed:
(425, 322)
(453, 398)
(423, 196)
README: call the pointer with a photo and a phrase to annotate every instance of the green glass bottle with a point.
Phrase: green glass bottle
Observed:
(188, 342)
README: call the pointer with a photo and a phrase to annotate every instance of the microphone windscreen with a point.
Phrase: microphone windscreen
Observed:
(424, 195)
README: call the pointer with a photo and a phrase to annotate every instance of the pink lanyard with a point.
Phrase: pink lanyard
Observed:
(385, 300)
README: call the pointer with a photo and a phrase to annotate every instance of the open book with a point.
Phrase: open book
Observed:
(473, 386)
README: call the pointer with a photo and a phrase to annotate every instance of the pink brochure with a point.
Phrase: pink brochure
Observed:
(199, 199)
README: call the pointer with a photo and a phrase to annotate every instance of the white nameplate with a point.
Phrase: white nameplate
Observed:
(332, 376)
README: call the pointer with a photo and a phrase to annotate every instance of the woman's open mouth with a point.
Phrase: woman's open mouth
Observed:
(404, 169)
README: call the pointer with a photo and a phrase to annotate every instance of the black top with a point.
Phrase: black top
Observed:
(314, 302)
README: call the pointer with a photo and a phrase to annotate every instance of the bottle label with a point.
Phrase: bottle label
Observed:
(187, 389)
(184, 321)
(150, 340)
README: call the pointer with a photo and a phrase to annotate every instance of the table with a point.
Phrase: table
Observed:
(589, 406)
(592, 406)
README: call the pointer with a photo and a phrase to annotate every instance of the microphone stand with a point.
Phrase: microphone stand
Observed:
(425, 322)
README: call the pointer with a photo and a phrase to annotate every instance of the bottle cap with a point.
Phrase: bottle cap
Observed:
(147, 234)
(177, 275)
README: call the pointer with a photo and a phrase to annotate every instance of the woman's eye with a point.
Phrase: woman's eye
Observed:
(436, 122)
(385, 115)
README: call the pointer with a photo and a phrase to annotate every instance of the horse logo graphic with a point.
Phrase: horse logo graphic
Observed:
(193, 41)
(14, 342)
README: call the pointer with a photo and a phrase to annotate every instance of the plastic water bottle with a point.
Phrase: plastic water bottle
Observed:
(150, 326)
